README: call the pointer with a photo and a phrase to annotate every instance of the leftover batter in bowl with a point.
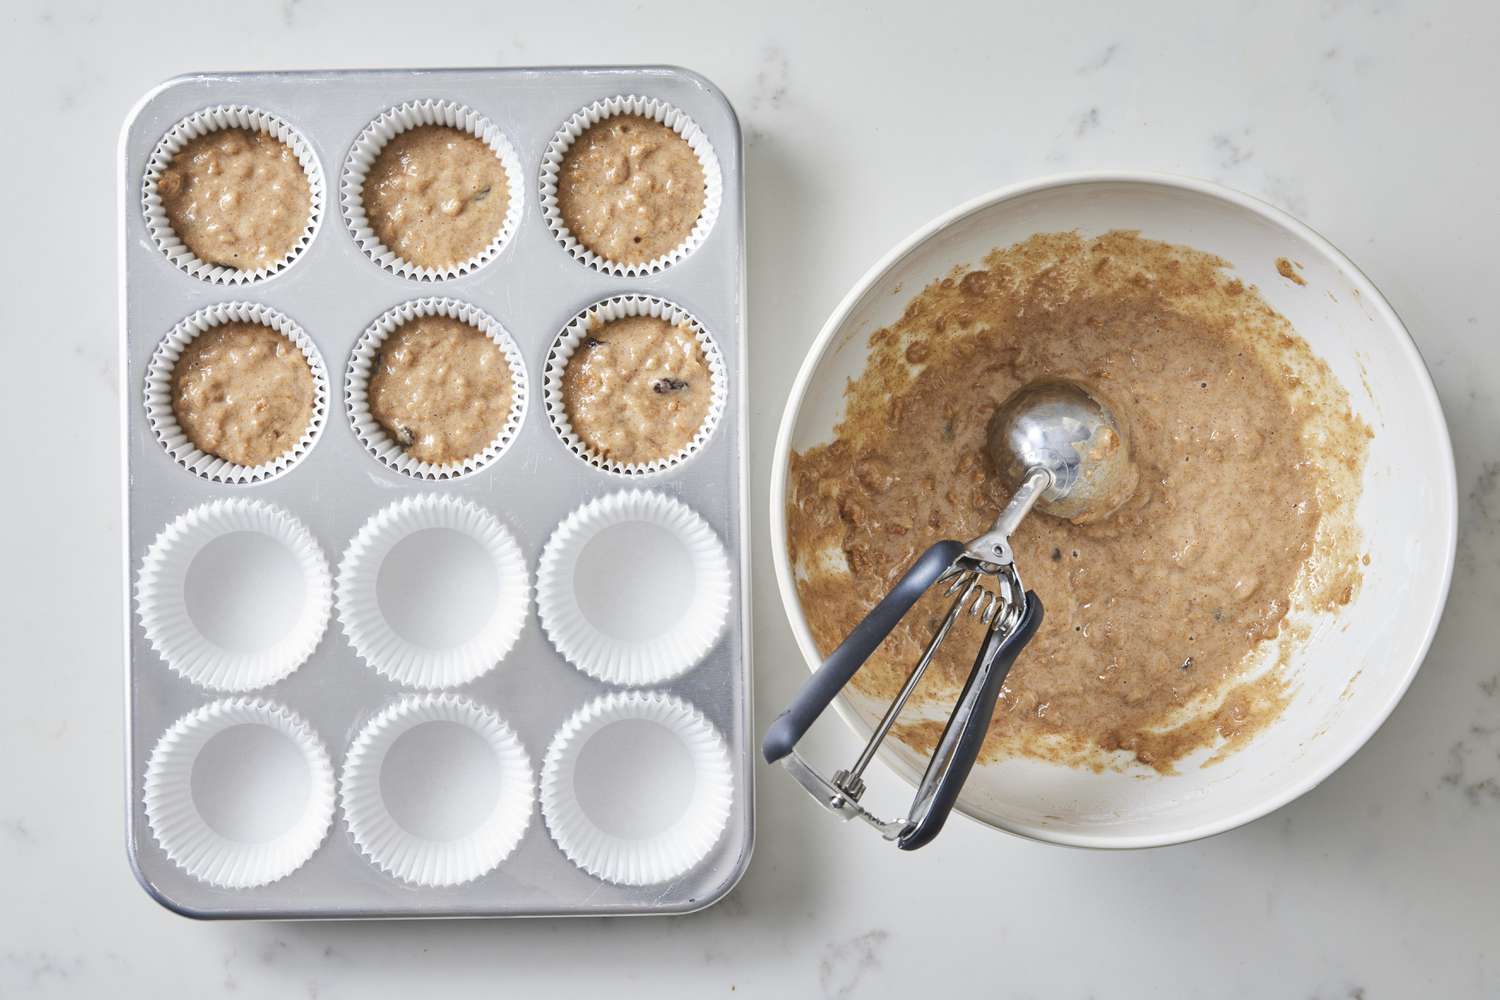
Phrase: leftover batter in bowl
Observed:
(630, 189)
(436, 196)
(441, 388)
(1158, 617)
(236, 197)
(637, 389)
(242, 392)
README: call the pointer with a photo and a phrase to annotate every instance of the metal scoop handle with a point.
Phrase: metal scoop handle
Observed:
(819, 691)
(963, 737)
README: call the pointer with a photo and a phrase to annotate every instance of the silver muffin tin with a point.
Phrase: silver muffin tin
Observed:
(334, 291)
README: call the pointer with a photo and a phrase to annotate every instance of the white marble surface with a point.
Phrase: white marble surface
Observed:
(1374, 121)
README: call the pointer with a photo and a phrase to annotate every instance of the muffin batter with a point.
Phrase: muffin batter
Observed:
(436, 196)
(1250, 466)
(637, 389)
(242, 392)
(237, 198)
(441, 388)
(630, 189)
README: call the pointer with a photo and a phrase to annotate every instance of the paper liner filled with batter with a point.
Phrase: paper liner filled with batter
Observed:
(637, 787)
(433, 591)
(437, 790)
(634, 588)
(377, 440)
(214, 119)
(239, 793)
(366, 149)
(234, 595)
(163, 418)
(607, 311)
(658, 111)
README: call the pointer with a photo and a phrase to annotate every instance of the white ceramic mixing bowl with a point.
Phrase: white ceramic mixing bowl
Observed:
(1349, 675)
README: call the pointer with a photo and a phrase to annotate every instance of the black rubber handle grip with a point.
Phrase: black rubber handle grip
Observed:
(825, 684)
(995, 659)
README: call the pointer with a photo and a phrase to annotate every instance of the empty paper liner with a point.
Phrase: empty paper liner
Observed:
(239, 793)
(234, 594)
(634, 588)
(433, 591)
(437, 790)
(636, 787)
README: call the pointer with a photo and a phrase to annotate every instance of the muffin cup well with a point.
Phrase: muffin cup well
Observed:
(367, 149)
(377, 440)
(215, 119)
(433, 591)
(163, 418)
(608, 310)
(395, 772)
(637, 787)
(215, 777)
(234, 595)
(645, 107)
(634, 588)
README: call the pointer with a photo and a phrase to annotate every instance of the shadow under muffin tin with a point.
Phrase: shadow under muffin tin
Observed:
(357, 691)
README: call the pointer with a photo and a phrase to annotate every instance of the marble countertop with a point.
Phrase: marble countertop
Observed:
(1374, 121)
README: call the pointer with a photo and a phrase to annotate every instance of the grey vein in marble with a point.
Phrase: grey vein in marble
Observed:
(1101, 60)
(769, 89)
(846, 964)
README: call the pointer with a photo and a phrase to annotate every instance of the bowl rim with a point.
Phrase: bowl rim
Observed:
(1429, 399)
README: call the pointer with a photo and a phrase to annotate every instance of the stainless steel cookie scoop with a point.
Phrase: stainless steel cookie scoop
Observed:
(1061, 452)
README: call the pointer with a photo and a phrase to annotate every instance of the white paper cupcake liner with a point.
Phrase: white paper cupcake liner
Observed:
(239, 785)
(436, 780)
(392, 123)
(261, 621)
(646, 107)
(415, 638)
(629, 814)
(634, 588)
(606, 311)
(213, 120)
(377, 440)
(163, 418)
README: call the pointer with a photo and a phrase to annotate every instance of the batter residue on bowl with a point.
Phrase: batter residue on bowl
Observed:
(637, 389)
(243, 392)
(436, 196)
(441, 388)
(631, 189)
(1156, 618)
(237, 198)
